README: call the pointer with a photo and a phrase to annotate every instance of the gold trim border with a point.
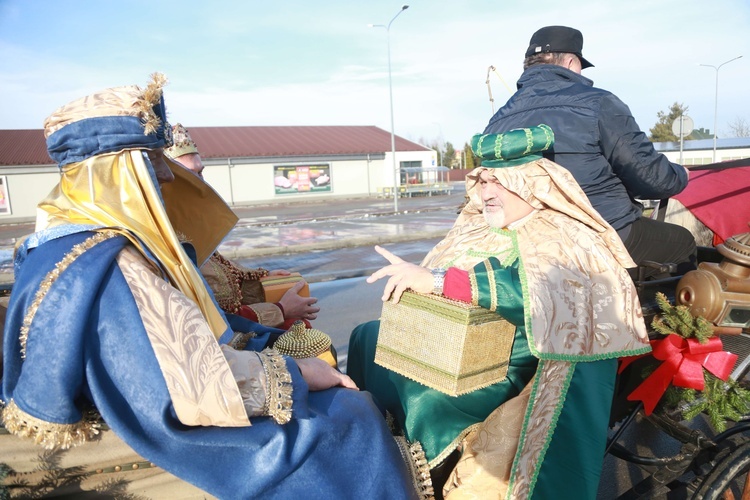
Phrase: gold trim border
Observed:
(279, 386)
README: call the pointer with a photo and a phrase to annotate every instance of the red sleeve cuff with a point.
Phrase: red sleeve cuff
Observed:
(278, 304)
(247, 313)
(457, 285)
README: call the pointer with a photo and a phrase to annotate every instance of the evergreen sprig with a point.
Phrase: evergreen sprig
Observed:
(677, 320)
(721, 401)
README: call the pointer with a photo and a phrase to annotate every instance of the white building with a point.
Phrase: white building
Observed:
(700, 152)
(246, 165)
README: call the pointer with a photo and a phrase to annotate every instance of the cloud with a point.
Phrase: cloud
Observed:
(251, 63)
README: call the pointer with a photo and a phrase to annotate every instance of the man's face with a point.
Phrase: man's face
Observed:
(501, 207)
(192, 162)
(163, 174)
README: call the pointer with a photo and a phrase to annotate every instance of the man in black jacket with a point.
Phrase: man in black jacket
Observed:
(599, 142)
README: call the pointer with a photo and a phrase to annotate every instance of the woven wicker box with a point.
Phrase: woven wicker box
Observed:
(447, 345)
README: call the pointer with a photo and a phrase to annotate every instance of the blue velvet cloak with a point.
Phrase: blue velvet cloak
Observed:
(87, 344)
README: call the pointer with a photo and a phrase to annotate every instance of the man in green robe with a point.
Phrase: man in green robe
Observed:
(529, 246)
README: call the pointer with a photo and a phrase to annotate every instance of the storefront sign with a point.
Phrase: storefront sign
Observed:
(297, 179)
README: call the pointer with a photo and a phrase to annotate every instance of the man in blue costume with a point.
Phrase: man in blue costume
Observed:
(109, 314)
(528, 246)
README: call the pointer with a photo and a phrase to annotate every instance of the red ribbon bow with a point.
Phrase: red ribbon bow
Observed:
(683, 364)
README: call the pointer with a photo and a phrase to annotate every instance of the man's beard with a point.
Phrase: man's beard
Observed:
(495, 218)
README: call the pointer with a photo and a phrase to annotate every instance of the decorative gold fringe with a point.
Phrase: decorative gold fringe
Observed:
(240, 340)
(50, 435)
(416, 461)
(390, 421)
(151, 97)
(52, 276)
(279, 389)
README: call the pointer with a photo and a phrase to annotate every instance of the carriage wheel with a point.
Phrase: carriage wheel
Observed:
(729, 479)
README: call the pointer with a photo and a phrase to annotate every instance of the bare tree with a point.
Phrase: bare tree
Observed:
(739, 128)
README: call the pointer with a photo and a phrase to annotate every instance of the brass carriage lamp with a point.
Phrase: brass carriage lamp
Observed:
(721, 292)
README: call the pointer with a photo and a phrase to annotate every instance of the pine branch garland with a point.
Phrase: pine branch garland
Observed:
(678, 320)
(721, 401)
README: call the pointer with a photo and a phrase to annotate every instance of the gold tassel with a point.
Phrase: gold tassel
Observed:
(150, 98)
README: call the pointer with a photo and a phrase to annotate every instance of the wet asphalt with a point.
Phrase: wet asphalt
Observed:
(324, 239)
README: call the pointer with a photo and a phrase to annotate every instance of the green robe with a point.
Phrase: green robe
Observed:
(574, 443)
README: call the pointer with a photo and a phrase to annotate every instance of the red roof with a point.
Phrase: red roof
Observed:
(235, 142)
(23, 147)
(28, 147)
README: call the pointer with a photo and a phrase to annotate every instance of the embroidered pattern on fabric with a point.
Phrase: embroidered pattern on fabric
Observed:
(562, 375)
(267, 314)
(246, 274)
(200, 383)
(505, 256)
(228, 282)
(474, 288)
(499, 147)
(228, 279)
(51, 435)
(478, 151)
(529, 140)
(240, 339)
(248, 373)
(52, 276)
(590, 300)
(545, 404)
(413, 456)
(489, 450)
(279, 391)
(549, 136)
(492, 285)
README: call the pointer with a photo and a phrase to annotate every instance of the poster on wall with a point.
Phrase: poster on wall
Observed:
(298, 179)
(4, 200)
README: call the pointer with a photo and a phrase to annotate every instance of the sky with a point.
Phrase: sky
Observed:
(316, 62)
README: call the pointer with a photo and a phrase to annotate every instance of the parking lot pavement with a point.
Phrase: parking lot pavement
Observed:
(308, 227)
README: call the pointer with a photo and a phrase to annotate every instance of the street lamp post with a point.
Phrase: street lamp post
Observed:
(716, 97)
(390, 92)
